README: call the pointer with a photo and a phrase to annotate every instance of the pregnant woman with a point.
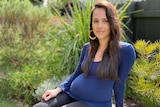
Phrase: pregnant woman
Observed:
(103, 68)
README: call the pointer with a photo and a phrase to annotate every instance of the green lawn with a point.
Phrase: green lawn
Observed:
(7, 103)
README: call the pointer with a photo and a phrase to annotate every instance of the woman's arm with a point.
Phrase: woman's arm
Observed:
(127, 58)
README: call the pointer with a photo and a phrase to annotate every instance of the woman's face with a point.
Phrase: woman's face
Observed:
(100, 24)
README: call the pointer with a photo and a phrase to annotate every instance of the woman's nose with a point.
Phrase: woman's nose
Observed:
(100, 24)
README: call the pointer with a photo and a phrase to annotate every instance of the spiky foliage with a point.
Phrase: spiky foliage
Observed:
(145, 75)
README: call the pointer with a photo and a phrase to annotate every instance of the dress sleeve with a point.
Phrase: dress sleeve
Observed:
(66, 84)
(127, 58)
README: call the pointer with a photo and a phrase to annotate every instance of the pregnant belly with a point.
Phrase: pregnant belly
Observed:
(91, 88)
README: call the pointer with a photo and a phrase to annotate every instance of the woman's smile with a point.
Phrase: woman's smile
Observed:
(100, 32)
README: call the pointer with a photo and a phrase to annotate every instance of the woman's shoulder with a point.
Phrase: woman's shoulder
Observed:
(124, 44)
(126, 47)
(86, 45)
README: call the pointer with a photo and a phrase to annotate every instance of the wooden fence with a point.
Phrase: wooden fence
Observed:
(146, 24)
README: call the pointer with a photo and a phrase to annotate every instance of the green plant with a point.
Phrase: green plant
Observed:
(59, 4)
(22, 29)
(145, 75)
(50, 83)
(74, 31)
(26, 57)
(124, 16)
(21, 85)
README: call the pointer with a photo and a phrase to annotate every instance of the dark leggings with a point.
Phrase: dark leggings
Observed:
(61, 100)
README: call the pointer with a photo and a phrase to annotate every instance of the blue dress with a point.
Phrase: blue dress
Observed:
(97, 92)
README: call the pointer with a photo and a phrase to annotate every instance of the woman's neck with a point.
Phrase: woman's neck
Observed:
(101, 49)
(103, 44)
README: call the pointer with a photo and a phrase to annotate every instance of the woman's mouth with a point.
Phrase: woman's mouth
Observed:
(100, 32)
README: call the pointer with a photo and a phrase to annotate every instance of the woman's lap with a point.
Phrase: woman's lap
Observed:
(62, 100)
(76, 104)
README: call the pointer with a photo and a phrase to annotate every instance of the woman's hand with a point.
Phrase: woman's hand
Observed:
(51, 93)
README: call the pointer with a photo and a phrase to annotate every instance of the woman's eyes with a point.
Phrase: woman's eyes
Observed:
(96, 21)
(106, 21)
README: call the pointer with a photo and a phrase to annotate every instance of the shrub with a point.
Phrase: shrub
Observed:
(21, 85)
(21, 31)
(48, 84)
(25, 48)
(145, 75)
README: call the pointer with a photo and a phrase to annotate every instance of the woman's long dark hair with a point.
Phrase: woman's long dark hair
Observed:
(108, 67)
